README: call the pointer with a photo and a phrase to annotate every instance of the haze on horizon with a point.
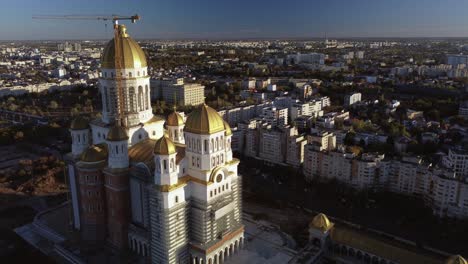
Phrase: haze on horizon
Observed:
(240, 19)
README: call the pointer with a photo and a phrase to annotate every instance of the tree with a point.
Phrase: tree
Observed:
(53, 105)
(349, 138)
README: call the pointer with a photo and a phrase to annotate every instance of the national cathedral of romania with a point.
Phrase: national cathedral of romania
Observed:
(166, 189)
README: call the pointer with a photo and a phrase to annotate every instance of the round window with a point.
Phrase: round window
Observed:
(219, 178)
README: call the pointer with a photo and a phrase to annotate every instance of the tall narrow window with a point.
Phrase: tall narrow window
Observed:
(131, 99)
(130, 74)
(146, 99)
(112, 100)
(140, 98)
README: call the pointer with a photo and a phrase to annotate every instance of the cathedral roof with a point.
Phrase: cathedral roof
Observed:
(457, 259)
(204, 120)
(175, 119)
(164, 146)
(321, 222)
(133, 55)
(94, 153)
(117, 133)
(387, 248)
(79, 123)
(143, 151)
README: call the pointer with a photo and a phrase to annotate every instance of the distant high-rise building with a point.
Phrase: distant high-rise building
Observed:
(77, 46)
(457, 59)
(331, 43)
(351, 99)
(175, 89)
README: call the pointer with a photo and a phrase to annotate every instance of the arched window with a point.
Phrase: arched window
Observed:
(138, 73)
(116, 149)
(143, 73)
(105, 74)
(131, 97)
(177, 199)
(140, 98)
(158, 165)
(130, 74)
(146, 99)
(165, 165)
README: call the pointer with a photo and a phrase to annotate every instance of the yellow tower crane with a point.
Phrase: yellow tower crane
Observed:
(120, 118)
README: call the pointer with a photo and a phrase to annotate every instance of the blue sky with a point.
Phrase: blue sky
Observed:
(221, 19)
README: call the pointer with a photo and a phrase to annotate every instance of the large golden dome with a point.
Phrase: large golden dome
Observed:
(133, 55)
(164, 146)
(457, 259)
(204, 120)
(117, 133)
(321, 222)
(95, 153)
(175, 119)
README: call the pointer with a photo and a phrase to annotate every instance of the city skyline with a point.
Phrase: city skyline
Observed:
(242, 19)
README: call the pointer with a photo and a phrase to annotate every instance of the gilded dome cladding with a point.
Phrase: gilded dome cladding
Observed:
(79, 123)
(164, 146)
(175, 119)
(204, 120)
(94, 153)
(117, 133)
(133, 55)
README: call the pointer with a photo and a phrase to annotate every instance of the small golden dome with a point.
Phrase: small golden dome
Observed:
(117, 133)
(228, 129)
(204, 120)
(164, 146)
(456, 259)
(321, 222)
(175, 119)
(79, 123)
(133, 55)
(94, 153)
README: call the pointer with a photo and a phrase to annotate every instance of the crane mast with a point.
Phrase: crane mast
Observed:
(120, 119)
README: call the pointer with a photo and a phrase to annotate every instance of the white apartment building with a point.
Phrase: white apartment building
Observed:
(295, 150)
(275, 116)
(439, 188)
(457, 160)
(351, 99)
(456, 59)
(312, 109)
(326, 140)
(463, 109)
(271, 145)
(183, 93)
(311, 58)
